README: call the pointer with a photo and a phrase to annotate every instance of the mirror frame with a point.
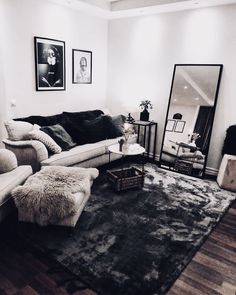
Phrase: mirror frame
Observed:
(213, 116)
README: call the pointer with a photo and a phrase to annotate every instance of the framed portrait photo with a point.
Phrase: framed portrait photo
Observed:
(179, 126)
(49, 64)
(170, 125)
(81, 66)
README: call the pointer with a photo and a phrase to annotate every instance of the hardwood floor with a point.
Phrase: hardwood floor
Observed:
(212, 271)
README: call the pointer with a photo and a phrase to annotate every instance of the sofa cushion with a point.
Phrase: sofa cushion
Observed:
(8, 161)
(76, 131)
(79, 117)
(46, 140)
(89, 131)
(119, 121)
(82, 153)
(100, 128)
(11, 179)
(17, 130)
(43, 120)
(60, 136)
(75, 155)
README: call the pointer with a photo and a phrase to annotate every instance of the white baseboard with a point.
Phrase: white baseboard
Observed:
(209, 170)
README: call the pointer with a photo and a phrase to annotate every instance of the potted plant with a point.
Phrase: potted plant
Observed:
(145, 105)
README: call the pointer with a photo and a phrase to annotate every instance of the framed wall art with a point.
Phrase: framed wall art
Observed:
(170, 125)
(49, 64)
(179, 126)
(81, 66)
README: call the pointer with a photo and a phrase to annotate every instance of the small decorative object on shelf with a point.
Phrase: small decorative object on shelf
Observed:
(145, 105)
(130, 119)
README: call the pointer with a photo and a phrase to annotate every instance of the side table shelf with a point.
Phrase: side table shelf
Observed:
(145, 129)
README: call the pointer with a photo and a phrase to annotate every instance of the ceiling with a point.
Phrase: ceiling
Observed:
(127, 8)
(195, 85)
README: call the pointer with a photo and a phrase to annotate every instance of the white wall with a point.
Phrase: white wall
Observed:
(2, 80)
(142, 52)
(25, 19)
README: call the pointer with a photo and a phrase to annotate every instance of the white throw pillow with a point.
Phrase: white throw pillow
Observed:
(45, 139)
(8, 161)
(18, 130)
(36, 127)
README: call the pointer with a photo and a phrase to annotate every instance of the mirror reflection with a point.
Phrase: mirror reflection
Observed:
(189, 118)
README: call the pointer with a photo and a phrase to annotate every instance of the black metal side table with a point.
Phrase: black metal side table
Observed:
(145, 128)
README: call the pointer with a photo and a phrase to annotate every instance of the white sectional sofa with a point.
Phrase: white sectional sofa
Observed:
(9, 179)
(34, 152)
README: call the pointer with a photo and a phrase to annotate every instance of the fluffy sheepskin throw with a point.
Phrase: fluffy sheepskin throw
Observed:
(49, 195)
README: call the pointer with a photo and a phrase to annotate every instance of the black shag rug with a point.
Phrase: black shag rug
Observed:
(136, 242)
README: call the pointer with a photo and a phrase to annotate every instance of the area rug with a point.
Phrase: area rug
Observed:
(136, 242)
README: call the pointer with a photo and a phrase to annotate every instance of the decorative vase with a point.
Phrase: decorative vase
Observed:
(144, 115)
(125, 147)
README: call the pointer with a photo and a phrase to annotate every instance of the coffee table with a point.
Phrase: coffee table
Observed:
(126, 178)
(131, 150)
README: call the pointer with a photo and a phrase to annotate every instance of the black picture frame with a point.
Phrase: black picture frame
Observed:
(170, 126)
(200, 123)
(179, 126)
(81, 66)
(50, 69)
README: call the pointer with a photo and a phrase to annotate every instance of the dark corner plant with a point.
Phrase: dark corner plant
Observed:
(146, 104)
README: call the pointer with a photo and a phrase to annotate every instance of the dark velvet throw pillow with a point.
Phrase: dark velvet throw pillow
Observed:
(96, 129)
(119, 121)
(90, 131)
(79, 117)
(100, 128)
(59, 134)
(77, 132)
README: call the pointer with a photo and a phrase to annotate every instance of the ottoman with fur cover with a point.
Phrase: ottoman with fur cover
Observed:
(55, 195)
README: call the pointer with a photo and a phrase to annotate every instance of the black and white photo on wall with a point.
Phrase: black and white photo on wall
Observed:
(81, 66)
(49, 64)
(179, 126)
(170, 125)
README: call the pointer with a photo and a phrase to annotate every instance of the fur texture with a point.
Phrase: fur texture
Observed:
(50, 193)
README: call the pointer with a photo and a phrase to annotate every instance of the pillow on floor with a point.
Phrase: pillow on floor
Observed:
(46, 140)
(60, 136)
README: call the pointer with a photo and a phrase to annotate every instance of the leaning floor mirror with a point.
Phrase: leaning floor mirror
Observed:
(189, 118)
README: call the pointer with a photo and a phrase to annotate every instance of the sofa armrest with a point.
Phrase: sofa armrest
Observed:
(28, 152)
